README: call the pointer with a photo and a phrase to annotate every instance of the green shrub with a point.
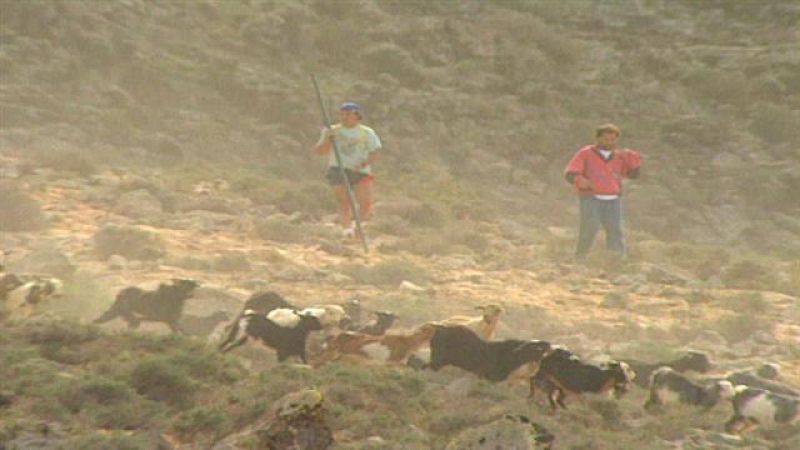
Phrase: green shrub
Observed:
(18, 210)
(199, 420)
(100, 391)
(160, 379)
(389, 58)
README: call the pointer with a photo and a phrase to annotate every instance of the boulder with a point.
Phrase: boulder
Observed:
(116, 262)
(512, 432)
(127, 241)
(297, 421)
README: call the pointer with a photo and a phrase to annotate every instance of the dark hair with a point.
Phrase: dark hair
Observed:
(606, 128)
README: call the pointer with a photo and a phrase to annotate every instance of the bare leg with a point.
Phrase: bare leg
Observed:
(364, 197)
(343, 204)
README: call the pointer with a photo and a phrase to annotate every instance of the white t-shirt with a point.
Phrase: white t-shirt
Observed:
(354, 144)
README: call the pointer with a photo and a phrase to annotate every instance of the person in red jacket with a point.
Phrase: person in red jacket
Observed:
(597, 171)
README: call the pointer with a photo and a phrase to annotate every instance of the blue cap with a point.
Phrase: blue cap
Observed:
(350, 106)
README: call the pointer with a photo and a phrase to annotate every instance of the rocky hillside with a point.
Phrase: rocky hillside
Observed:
(476, 114)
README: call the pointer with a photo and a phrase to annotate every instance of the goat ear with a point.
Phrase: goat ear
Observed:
(481, 308)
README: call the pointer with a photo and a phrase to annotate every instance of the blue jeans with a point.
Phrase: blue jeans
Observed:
(595, 212)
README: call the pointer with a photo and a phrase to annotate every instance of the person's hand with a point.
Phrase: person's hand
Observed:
(328, 133)
(584, 183)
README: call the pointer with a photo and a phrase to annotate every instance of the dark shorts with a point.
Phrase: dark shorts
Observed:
(334, 177)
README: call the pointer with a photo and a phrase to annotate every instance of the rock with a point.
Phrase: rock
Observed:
(116, 262)
(664, 274)
(512, 432)
(138, 204)
(336, 248)
(130, 242)
(297, 421)
(409, 286)
(770, 371)
(376, 440)
(338, 278)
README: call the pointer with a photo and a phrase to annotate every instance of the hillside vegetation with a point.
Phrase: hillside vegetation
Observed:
(462, 93)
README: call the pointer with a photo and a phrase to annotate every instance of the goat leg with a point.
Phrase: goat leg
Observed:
(235, 344)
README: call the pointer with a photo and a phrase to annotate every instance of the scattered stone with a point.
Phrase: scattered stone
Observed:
(770, 371)
(117, 262)
(376, 440)
(338, 278)
(336, 248)
(130, 242)
(409, 286)
(710, 340)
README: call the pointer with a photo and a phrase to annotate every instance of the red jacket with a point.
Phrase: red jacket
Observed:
(605, 176)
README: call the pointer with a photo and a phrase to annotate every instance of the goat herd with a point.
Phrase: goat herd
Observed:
(460, 341)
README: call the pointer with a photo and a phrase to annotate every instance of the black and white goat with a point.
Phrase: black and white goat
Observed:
(669, 386)
(260, 302)
(561, 373)
(753, 407)
(286, 340)
(22, 295)
(692, 361)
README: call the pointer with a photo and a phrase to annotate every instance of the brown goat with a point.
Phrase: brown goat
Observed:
(484, 326)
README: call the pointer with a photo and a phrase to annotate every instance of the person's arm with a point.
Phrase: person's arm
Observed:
(325, 143)
(574, 172)
(633, 161)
